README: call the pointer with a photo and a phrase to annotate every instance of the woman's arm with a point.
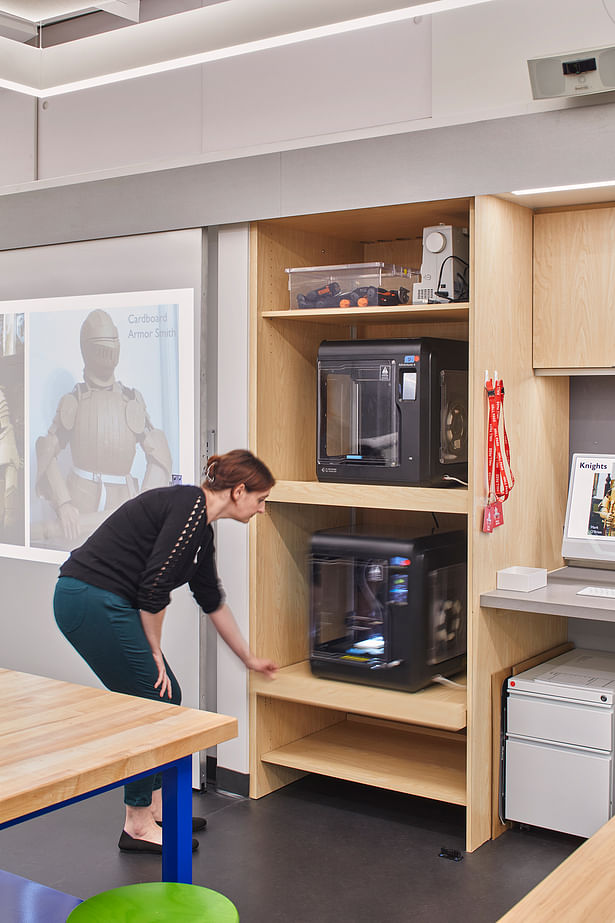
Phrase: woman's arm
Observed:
(226, 626)
(152, 627)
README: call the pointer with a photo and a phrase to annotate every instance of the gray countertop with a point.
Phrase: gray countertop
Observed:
(559, 596)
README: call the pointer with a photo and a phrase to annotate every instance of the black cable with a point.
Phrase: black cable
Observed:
(451, 257)
(464, 288)
(444, 261)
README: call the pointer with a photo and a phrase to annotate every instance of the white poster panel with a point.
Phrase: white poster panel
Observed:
(12, 410)
(106, 412)
(592, 498)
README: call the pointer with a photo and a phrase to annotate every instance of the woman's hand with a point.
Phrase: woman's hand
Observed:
(163, 680)
(152, 628)
(226, 626)
(261, 665)
(70, 520)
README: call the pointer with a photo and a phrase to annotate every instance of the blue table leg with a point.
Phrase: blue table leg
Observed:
(177, 822)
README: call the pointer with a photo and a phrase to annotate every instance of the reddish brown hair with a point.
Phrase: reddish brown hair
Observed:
(237, 467)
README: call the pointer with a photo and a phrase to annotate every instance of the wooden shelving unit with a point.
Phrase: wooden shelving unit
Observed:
(454, 500)
(414, 743)
(395, 758)
(406, 743)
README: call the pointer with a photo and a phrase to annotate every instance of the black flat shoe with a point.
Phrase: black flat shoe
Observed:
(198, 824)
(129, 843)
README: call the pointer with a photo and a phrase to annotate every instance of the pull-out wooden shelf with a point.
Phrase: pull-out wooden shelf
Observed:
(396, 758)
(372, 496)
(427, 313)
(437, 706)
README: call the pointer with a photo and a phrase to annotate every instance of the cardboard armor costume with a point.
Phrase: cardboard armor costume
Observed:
(10, 463)
(103, 421)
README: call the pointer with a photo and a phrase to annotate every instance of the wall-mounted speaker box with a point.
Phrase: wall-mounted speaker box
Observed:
(578, 73)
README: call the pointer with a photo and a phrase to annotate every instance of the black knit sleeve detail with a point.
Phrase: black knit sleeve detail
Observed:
(175, 548)
(170, 569)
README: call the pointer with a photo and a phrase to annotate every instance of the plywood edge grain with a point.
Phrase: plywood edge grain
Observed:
(436, 706)
(375, 315)
(36, 783)
(372, 496)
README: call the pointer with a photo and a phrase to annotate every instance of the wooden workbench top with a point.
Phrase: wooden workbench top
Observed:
(59, 740)
(582, 888)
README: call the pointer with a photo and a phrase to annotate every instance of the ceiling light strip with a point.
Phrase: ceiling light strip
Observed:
(543, 189)
(216, 54)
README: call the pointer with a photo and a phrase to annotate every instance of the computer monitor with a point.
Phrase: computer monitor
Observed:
(589, 529)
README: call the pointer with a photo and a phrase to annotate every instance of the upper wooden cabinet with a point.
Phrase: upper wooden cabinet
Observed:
(574, 288)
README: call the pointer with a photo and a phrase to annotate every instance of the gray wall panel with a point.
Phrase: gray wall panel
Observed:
(148, 119)
(17, 138)
(592, 403)
(29, 637)
(592, 408)
(480, 158)
(320, 88)
(483, 157)
(132, 264)
(367, 82)
(193, 196)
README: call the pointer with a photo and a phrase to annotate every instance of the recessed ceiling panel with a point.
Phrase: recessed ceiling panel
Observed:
(194, 37)
(42, 10)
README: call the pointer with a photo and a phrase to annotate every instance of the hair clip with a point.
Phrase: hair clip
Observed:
(209, 477)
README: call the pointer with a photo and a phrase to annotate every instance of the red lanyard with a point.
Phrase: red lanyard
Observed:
(500, 479)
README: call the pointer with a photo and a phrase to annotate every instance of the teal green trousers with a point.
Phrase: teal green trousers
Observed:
(106, 630)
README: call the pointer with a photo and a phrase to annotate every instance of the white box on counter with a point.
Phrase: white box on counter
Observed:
(524, 579)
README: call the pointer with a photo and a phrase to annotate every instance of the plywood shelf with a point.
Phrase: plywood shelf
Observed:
(372, 496)
(428, 313)
(392, 758)
(437, 706)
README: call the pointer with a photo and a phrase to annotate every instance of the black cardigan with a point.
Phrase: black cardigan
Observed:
(150, 545)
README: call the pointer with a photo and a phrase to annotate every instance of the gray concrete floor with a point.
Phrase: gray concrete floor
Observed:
(318, 851)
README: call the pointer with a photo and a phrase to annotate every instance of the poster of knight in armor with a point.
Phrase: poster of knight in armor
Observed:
(591, 502)
(12, 495)
(107, 413)
(602, 504)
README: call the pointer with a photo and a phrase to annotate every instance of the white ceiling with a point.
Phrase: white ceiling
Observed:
(40, 11)
(212, 31)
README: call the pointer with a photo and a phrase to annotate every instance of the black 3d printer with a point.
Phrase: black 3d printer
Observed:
(387, 611)
(393, 412)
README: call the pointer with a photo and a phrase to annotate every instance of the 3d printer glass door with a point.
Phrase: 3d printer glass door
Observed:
(446, 631)
(350, 610)
(357, 412)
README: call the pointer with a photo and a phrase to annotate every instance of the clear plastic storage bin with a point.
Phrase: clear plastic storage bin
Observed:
(350, 285)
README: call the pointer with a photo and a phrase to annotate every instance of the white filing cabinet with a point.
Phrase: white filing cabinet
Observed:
(559, 743)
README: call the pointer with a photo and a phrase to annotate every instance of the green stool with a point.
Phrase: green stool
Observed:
(156, 900)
